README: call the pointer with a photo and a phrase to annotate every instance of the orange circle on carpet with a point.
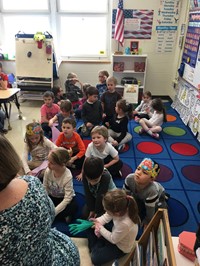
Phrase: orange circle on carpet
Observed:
(171, 118)
(149, 147)
(184, 149)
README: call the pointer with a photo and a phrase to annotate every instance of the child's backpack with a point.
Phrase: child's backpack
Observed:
(73, 92)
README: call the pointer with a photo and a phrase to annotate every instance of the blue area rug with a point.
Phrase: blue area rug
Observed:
(178, 153)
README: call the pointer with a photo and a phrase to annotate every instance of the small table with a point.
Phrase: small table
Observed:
(6, 97)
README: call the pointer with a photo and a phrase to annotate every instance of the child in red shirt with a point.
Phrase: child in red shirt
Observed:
(71, 140)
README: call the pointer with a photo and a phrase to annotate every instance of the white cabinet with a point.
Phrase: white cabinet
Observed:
(130, 66)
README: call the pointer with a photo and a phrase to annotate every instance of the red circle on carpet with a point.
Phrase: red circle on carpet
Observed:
(171, 118)
(149, 147)
(184, 149)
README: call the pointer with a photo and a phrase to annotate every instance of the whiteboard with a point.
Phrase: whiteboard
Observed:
(39, 64)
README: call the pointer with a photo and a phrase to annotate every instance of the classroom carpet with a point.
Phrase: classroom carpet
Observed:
(178, 153)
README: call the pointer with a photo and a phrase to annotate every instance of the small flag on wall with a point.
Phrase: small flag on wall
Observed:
(119, 24)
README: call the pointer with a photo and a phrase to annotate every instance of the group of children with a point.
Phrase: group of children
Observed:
(107, 123)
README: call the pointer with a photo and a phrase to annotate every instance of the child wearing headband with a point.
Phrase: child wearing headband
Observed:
(36, 149)
(148, 193)
(107, 245)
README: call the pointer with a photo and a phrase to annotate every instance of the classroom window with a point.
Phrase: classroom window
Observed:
(24, 5)
(84, 28)
(80, 29)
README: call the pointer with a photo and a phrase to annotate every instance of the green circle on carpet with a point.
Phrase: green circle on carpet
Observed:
(136, 129)
(174, 131)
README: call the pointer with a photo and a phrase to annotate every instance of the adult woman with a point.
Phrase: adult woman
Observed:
(26, 214)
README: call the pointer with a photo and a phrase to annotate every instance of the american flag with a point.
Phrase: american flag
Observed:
(119, 24)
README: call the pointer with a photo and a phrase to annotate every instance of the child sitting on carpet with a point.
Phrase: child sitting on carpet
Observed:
(66, 110)
(91, 112)
(106, 245)
(148, 193)
(78, 109)
(118, 126)
(99, 147)
(58, 95)
(37, 147)
(48, 111)
(58, 183)
(153, 125)
(96, 181)
(101, 86)
(109, 99)
(73, 92)
(141, 110)
(72, 141)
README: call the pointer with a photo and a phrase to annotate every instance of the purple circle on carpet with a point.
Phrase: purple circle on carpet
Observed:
(178, 213)
(165, 174)
(191, 172)
(126, 170)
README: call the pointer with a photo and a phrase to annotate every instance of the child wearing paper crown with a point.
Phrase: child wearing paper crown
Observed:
(148, 193)
(36, 146)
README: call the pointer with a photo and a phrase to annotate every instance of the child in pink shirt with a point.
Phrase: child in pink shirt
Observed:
(48, 111)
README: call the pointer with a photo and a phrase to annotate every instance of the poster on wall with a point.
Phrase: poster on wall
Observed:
(191, 52)
(187, 104)
(166, 25)
(131, 93)
(137, 23)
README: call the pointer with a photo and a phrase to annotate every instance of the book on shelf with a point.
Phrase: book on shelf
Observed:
(118, 66)
(136, 261)
(162, 249)
(139, 66)
(149, 251)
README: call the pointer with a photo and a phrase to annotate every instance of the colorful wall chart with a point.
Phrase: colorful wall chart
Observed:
(137, 23)
(167, 24)
(191, 52)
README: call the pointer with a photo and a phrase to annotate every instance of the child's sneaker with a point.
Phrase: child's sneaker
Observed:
(121, 148)
(155, 135)
(141, 131)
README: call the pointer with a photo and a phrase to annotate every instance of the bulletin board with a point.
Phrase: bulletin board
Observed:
(32, 61)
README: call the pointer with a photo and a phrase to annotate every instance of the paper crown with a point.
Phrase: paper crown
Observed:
(150, 166)
(33, 129)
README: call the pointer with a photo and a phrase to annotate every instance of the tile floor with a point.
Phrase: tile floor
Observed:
(30, 110)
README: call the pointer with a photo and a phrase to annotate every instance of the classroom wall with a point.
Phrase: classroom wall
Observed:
(162, 68)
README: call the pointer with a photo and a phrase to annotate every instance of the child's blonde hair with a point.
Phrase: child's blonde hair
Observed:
(71, 75)
(101, 130)
(117, 201)
(59, 156)
(112, 79)
(32, 129)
